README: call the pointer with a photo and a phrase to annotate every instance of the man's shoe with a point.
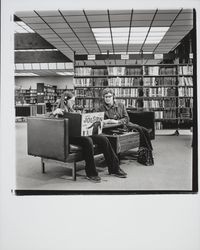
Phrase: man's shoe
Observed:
(118, 174)
(122, 171)
(95, 179)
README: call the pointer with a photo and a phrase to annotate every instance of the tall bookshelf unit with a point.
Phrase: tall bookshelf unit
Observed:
(165, 89)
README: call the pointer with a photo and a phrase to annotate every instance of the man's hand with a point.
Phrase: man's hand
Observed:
(111, 121)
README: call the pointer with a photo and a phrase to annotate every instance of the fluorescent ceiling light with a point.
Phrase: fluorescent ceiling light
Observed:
(27, 66)
(137, 35)
(65, 73)
(21, 27)
(120, 30)
(34, 50)
(26, 74)
(159, 29)
(19, 66)
(139, 29)
(36, 65)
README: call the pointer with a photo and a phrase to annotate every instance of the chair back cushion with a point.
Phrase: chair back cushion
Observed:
(48, 138)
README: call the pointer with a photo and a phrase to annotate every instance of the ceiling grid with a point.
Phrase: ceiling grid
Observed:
(117, 31)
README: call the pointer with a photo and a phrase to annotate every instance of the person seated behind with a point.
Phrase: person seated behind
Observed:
(116, 113)
(66, 104)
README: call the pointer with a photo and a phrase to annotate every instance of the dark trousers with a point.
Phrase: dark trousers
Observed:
(145, 140)
(87, 142)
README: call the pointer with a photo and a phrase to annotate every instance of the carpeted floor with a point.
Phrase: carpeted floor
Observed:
(172, 169)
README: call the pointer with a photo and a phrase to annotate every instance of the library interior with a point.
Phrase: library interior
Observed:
(145, 58)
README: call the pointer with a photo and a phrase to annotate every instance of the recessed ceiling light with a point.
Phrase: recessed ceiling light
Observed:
(26, 74)
(65, 73)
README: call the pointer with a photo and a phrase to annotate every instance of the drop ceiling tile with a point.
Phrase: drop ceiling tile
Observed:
(75, 19)
(144, 23)
(47, 33)
(96, 12)
(63, 30)
(48, 13)
(161, 23)
(183, 22)
(53, 19)
(165, 16)
(85, 35)
(120, 24)
(180, 28)
(66, 36)
(79, 25)
(185, 16)
(120, 12)
(99, 24)
(120, 17)
(32, 20)
(175, 33)
(72, 12)
(62, 25)
(143, 11)
(82, 30)
(39, 26)
(21, 14)
(98, 18)
(142, 16)
(168, 11)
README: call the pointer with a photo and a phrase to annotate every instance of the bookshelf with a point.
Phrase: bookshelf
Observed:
(165, 89)
(25, 96)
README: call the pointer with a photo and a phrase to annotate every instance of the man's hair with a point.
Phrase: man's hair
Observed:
(107, 90)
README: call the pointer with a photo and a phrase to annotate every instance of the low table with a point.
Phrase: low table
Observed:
(124, 142)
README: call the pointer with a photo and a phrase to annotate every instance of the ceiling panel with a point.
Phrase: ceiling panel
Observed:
(142, 16)
(96, 12)
(32, 20)
(142, 23)
(99, 24)
(120, 12)
(72, 12)
(183, 22)
(163, 23)
(26, 14)
(53, 19)
(165, 16)
(48, 13)
(75, 19)
(120, 23)
(61, 25)
(39, 26)
(121, 17)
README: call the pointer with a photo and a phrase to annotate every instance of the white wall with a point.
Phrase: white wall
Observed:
(128, 222)
(62, 82)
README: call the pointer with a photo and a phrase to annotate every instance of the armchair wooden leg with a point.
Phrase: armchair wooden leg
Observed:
(74, 171)
(43, 166)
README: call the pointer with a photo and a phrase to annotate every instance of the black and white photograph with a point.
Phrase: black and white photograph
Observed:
(99, 111)
(105, 100)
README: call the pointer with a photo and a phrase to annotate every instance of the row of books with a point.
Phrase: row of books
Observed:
(188, 92)
(185, 81)
(157, 81)
(186, 70)
(159, 92)
(133, 81)
(137, 70)
(159, 104)
(160, 70)
(185, 102)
